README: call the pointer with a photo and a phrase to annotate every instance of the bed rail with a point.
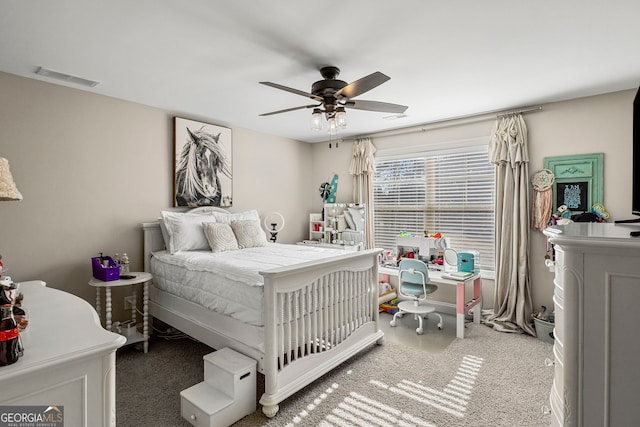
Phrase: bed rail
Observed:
(317, 315)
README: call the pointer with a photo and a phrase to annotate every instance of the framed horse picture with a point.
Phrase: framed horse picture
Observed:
(202, 164)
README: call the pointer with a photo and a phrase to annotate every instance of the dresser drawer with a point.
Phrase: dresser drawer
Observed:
(558, 366)
(559, 319)
(205, 406)
(557, 410)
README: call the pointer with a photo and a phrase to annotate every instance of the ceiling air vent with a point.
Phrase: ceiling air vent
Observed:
(65, 77)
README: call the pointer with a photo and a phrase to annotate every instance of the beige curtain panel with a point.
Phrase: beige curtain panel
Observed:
(362, 167)
(508, 151)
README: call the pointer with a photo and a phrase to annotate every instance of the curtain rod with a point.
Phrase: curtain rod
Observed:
(469, 118)
(523, 110)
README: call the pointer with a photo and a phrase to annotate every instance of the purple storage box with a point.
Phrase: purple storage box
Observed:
(106, 274)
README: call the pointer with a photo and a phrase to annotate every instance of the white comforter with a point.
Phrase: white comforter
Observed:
(228, 282)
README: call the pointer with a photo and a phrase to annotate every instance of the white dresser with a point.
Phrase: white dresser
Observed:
(69, 359)
(597, 333)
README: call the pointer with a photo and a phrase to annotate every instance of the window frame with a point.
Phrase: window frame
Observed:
(476, 145)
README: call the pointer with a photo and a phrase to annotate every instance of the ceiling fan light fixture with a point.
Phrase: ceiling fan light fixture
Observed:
(335, 95)
(341, 118)
(316, 119)
(332, 125)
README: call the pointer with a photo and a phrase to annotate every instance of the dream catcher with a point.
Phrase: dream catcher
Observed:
(542, 182)
(328, 190)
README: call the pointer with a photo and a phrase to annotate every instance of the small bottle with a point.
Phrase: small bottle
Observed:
(9, 346)
(116, 258)
(124, 264)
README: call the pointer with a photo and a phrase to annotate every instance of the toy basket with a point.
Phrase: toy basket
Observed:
(544, 330)
(105, 273)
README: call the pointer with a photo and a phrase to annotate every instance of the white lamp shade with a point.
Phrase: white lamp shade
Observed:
(8, 189)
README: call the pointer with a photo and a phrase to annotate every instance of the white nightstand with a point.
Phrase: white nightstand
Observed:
(141, 277)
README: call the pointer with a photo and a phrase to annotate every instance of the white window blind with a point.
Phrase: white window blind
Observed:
(450, 193)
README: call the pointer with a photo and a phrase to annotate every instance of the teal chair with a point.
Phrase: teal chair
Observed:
(413, 283)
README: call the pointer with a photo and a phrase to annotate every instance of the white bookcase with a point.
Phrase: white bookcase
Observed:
(316, 227)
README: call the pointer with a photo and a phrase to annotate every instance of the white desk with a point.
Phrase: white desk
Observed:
(462, 306)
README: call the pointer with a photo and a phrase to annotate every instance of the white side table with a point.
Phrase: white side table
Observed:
(141, 277)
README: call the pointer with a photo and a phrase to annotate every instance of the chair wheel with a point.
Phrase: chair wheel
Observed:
(419, 331)
(392, 323)
(440, 326)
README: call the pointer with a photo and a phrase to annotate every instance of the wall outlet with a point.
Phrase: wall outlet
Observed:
(128, 302)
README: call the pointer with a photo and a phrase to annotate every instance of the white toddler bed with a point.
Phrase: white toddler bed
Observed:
(301, 321)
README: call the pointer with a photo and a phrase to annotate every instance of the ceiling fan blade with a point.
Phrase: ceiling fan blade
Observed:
(290, 109)
(362, 85)
(383, 107)
(292, 90)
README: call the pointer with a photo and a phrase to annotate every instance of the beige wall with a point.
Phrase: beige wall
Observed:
(598, 124)
(92, 168)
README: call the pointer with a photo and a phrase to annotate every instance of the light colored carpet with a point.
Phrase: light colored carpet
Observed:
(487, 379)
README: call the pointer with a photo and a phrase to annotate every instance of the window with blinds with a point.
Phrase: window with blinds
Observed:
(450, 193)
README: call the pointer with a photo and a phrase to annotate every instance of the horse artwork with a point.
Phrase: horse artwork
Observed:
(202, 164)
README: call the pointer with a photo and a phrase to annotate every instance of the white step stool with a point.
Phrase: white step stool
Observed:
(227, 394)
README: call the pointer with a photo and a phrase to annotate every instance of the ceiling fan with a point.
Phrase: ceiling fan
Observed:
(333, 95)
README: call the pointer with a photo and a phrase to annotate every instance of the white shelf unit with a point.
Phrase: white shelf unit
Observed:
(336, 227)
(316, 227)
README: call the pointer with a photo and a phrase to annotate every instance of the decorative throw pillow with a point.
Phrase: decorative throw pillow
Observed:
(248, 233)
(358, 218)
(184, 231)
(220, 236)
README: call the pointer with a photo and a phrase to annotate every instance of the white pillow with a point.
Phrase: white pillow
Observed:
(248, 233)
(185, 231)
(165, 233)
(358, 218)
(220, 236)
(227, 218)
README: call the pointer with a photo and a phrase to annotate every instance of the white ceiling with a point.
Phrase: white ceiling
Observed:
(203, 59)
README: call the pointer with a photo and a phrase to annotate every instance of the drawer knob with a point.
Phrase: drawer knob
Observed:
(193, 417)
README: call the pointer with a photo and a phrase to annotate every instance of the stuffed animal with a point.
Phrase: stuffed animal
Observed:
(384, 288)
(561, 217)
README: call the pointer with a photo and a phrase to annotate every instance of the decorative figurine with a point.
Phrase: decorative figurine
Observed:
(10, 345)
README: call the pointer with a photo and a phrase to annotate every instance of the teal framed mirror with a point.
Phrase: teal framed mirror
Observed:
(578, 181)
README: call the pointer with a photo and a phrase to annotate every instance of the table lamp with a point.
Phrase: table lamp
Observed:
(8, 189)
